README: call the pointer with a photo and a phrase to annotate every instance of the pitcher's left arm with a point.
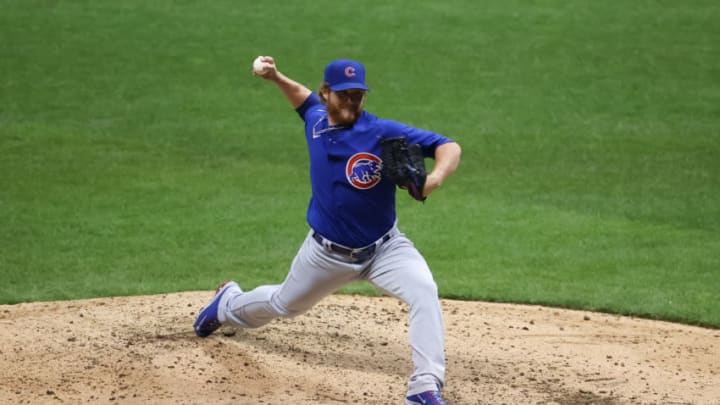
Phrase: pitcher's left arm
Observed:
(447, 159)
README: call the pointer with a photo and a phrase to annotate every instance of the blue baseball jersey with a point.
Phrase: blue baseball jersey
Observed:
(351, 203)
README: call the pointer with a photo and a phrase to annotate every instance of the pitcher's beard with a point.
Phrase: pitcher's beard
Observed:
(344, 116)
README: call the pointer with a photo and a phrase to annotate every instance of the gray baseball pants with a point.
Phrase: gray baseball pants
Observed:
(397, 269)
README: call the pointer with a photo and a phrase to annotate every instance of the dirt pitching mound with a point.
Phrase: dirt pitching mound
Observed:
(348, 349)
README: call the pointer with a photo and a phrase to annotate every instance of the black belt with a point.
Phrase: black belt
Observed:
(359, 254)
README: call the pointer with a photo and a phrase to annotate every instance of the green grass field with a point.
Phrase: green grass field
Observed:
(139, 155)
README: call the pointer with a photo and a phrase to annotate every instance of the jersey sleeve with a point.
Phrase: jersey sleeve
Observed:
(307, 106)
(428, 140)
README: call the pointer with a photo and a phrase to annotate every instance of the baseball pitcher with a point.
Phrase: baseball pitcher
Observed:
(357, 162)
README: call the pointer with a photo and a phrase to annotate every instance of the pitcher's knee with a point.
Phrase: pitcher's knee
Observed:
(285, 310)
(428, 286)
(422, 292)
(250, 317)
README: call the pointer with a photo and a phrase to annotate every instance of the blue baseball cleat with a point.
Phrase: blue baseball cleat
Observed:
(426, 398)
(207, 321)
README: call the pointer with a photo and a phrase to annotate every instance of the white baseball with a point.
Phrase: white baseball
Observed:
(259, 67)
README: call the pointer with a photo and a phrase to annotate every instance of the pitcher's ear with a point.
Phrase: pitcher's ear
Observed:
(324, 92)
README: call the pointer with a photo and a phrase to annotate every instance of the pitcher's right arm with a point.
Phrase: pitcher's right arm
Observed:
(295, 92)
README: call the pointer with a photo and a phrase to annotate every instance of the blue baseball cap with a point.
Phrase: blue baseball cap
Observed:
(345, 74)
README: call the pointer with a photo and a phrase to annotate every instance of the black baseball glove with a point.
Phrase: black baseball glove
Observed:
(404, 164)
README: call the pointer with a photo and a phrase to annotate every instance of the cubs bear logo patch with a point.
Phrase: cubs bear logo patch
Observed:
(363, 170)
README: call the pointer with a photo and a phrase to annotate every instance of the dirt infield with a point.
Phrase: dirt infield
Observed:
(348, 349)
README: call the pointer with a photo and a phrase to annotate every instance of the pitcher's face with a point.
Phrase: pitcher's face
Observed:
(344, 107)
